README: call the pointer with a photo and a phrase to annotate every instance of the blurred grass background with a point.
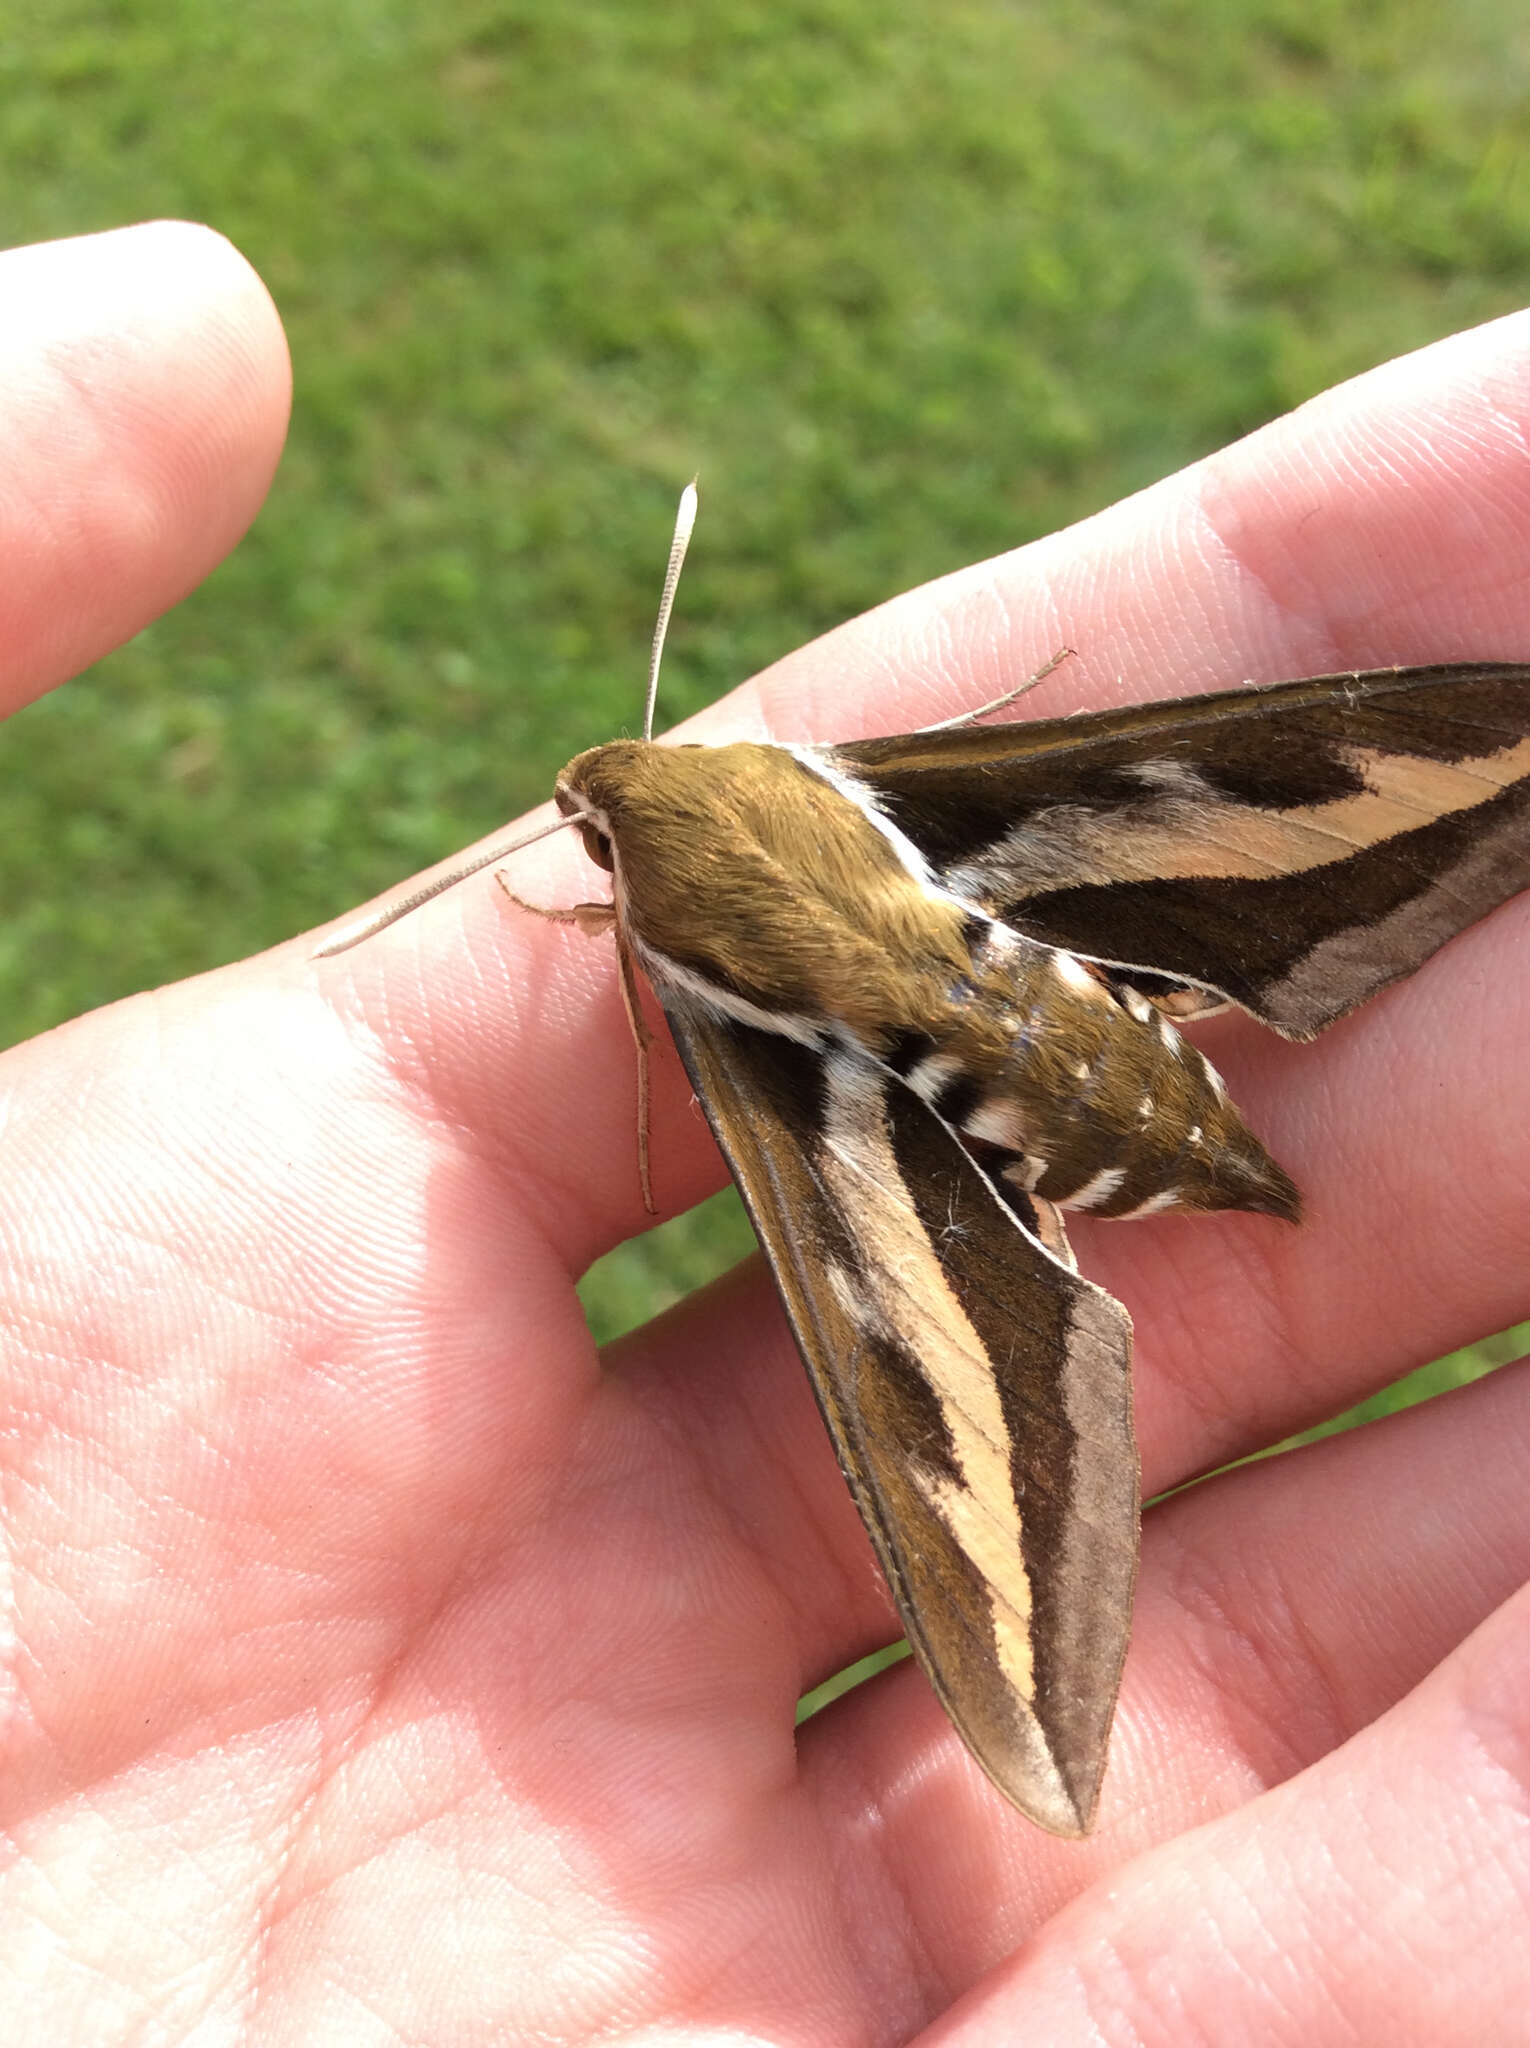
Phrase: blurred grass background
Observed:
(907, 286)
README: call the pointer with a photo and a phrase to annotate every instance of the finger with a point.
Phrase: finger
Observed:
(1281, 1611)
(146, 391)
(1291, 1601)
(1379, 1897)
(1387, 522)
(1382, 522)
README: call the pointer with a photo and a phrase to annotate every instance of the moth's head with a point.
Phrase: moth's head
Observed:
(632, 792)
(594, 788)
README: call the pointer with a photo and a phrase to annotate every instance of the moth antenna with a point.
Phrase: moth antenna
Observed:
(685, 519)
(983, 710)
(355, 934)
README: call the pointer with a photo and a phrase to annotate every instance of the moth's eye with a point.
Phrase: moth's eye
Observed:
(597, 846)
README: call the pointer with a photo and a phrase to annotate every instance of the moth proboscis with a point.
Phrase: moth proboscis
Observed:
(927, 989)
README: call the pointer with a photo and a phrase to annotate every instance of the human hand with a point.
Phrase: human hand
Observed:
(381, 1665)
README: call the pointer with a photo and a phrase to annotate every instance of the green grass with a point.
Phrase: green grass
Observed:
(907, 287)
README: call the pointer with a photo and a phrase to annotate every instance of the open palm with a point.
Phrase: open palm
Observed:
(382, 1664)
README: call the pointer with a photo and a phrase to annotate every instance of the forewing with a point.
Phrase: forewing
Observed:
(976, 1389)
(1292, 847)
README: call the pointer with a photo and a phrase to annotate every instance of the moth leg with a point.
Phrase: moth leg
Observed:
(593, 919)
(1041, 1218)
(1180, 1001)
(1009, 1175)
(642, 1038)
(1052, 1233)
(983, 710)
(1184, 1005)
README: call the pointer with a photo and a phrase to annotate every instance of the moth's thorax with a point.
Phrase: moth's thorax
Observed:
(744, 866)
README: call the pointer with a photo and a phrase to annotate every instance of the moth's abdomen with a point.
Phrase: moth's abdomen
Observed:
(1087, 1098)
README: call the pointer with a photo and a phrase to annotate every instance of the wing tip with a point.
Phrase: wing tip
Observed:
(1055, 1784)
(1063, 1804)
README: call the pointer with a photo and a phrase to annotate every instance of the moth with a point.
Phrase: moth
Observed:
(928, 990)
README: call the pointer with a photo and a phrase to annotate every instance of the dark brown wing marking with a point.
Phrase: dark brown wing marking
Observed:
(1293, 847)
(977, 1392)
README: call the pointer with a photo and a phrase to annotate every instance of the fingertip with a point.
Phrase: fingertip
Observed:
(1386, 519)
(204, 297)
(147, 390)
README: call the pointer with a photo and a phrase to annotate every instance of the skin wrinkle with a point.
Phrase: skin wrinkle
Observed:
(862, 1851)
(886, 1934)
(1104, 1996)
(1485, 1219)
(1481, 1216)
(802, 1507)
(254, 1727)
(1242, 1651)
(1395, 1049)
(1285, 613)
(1212, 1397)
(1366, 472)
(1000, 645)
(1201, 605)
(1511, 427)
(78, 369)
(413, 1084)
(415, 1081)
(1387, 1200)
(1507, 1759)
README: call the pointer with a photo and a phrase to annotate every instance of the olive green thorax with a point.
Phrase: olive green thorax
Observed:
(741, 864)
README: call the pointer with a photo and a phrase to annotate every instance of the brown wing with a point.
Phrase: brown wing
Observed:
(977, 1392)
(1293, 847)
